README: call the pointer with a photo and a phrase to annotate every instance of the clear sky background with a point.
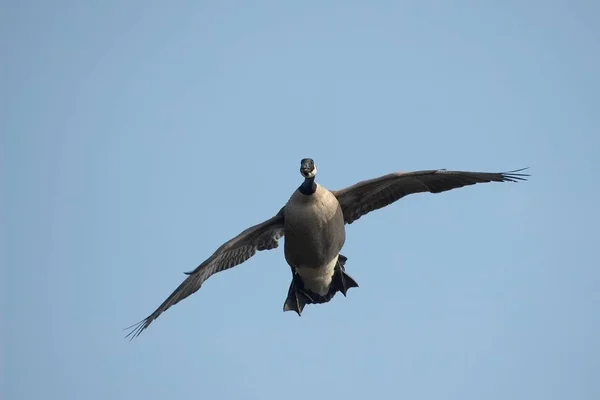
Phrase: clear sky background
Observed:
(137, 136)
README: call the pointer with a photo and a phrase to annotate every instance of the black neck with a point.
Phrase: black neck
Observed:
(308, 187)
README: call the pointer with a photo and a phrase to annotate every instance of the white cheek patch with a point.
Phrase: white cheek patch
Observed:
(313, 173)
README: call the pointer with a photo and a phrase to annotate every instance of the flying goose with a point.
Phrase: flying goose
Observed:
(313, 223)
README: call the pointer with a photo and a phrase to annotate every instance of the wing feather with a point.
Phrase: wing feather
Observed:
(263, 236)
(370, 195)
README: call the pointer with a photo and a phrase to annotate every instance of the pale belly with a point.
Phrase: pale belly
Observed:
(318, 280)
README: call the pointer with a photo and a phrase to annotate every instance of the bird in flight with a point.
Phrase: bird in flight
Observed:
(313, 222)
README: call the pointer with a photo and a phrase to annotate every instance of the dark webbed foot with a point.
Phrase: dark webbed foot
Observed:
(296, 299)
(342, 280)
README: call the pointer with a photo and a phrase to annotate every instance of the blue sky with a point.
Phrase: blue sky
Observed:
(139, 136)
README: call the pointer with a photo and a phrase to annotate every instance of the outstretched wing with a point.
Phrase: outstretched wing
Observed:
(369, 195)
(263, 236)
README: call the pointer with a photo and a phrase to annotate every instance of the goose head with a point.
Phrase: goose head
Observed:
(308, 169)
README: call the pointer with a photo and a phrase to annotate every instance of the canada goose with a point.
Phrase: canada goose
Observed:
(313, 222)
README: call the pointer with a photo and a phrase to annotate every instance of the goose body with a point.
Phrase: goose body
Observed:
(315, 233)
(313, 222)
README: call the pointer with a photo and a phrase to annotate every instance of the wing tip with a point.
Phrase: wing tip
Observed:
(137, 328)
(515, 175)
